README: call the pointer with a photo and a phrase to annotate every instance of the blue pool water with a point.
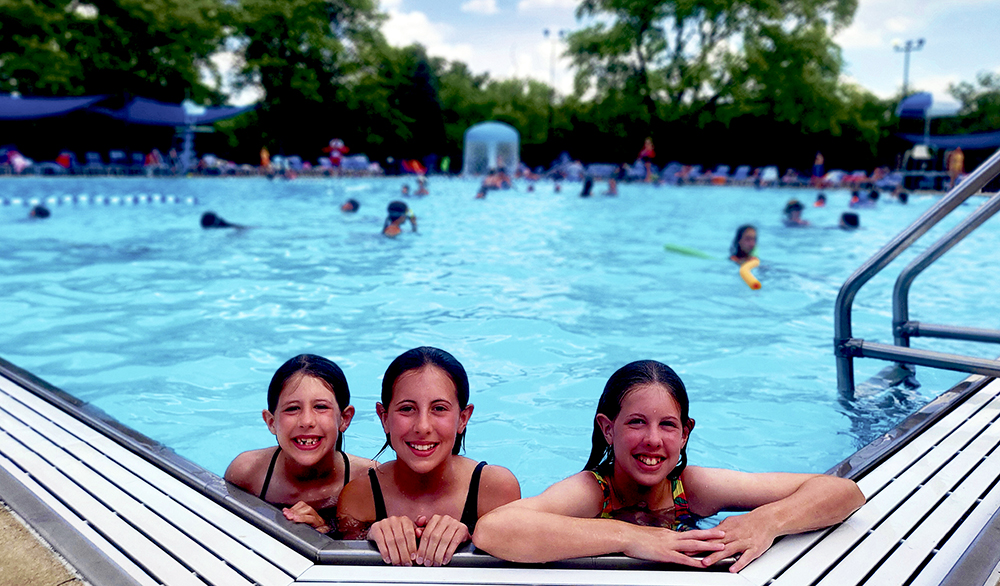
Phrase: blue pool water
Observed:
(175, 331)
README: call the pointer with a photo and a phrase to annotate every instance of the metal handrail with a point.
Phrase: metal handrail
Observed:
(846, 348)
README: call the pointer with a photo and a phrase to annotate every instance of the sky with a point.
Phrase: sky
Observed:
(507, 38)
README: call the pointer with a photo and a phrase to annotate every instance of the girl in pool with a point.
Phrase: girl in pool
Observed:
(308, 410)
(637, 496)
(420, 507)
(741, 250)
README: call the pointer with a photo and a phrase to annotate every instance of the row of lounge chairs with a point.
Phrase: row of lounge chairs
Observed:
(676, 173)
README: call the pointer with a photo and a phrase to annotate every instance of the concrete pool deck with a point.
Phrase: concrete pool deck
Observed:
(124, 510)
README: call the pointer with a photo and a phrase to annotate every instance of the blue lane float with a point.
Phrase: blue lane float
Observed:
(86, 199)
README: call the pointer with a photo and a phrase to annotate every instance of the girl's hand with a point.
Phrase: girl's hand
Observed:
(439, 538)
(664, 545)
(744, 536)
(396, 538)
(303, 513)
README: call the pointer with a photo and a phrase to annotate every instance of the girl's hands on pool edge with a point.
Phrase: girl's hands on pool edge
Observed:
(300, 512)
(439, 537)
(745, 537)
(664, 545)
(396, 538)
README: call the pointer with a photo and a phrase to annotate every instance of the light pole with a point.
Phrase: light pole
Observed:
(906, 48)
(552, 76)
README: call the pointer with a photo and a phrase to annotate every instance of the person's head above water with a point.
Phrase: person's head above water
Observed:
(744, 242)
(427, 357)
(39, 211)
(350, 205)
(625, 380)
(314, 366)
(849, 221)
(793, 206)
(210, 220)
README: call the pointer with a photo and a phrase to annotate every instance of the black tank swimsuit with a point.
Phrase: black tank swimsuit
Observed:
(470, 514)
(270, 470)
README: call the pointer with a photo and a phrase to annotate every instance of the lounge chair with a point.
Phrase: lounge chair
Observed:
(718, 177)
(769, 175)
(94, 164)
(741, 176)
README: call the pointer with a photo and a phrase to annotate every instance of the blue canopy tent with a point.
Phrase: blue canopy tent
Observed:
(922, 105)
(489, 145)
(186, 115)
(19, 108)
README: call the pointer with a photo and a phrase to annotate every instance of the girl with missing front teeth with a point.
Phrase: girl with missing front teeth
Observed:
(308, 410)
(420, 507)
(637, 495)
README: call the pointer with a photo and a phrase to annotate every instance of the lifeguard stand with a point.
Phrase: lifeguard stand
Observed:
(490, 145)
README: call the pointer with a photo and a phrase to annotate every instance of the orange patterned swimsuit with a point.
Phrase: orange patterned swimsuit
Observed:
(677, 517)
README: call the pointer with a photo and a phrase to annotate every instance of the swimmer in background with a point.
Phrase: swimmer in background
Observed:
(399, 213)
(350, 205)
(588, 186)
(211, 220)
(308, 411)
(481, 194)
(646, 155)
(820, 200)
(849, 221)
(39, 212)
(793, 214)
(422, 185)
(612, 187)
(744, 243)
(405, 190)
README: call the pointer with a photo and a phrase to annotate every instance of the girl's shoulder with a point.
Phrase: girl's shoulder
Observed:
(247, 470)
(360, 466)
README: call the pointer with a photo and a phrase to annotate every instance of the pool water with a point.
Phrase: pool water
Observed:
(176, 331)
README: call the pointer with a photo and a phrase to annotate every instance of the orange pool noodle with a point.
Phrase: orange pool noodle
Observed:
(745, 269)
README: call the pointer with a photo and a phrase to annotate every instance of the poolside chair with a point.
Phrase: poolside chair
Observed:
(718, 177)
(295, 162)
(741, 176)
(117, 162)
(769, 175)
(601, 170)
(94, 164)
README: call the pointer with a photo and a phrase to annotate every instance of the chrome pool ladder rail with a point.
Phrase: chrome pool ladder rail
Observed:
(847, 348)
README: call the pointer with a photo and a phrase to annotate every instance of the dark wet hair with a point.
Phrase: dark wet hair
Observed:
(317, 367)
(621, 383)
(416, 359)
(849, 220)
(903, 197)
(39, 211)
(352, 205)
(734, 248)
(211, 220)
(820, 197)
(793, 205)
(873, 195)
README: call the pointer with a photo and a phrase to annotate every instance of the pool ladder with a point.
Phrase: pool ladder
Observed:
(847, 348)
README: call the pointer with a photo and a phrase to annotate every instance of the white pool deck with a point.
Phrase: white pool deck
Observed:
(124, 510)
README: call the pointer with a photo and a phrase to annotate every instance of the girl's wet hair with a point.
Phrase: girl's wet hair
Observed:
(622, 382)
(734, 248)
(316, 367)
(416, 359)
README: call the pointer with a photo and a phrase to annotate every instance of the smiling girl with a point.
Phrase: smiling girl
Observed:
(420, 507)
(637, 495)
(308, 410)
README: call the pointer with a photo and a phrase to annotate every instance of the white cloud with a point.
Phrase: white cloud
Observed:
(405, 28)
(539, 5)
(480, 6)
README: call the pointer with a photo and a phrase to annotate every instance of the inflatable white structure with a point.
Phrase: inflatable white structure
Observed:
(490, 145)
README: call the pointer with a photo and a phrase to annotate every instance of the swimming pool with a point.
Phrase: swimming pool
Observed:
(175, 331)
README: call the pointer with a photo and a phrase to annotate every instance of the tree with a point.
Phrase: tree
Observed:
(153, 48)
(980, 105)
(680, 59)
(298, 52)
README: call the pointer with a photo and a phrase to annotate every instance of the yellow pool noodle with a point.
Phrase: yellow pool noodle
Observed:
(745, 269)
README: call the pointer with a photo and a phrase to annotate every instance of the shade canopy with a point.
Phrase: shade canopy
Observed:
(923, 105)
(146, 111)
(982, 140)
(19, 108)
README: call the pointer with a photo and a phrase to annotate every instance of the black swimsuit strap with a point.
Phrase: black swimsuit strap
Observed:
(470, 514)
(377, 496)
(267, 477)
(347, 468)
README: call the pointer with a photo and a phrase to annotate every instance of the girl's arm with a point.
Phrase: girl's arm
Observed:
(395, 537)
(560, 524)
(778, 504)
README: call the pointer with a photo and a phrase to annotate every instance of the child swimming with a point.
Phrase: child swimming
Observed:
(421, 506)
(742, 248)
(637, 496)
(308, 410)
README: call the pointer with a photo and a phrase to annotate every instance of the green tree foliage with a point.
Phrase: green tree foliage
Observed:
(980, 105)
(154, 48)
(689, 59)
(299, 53)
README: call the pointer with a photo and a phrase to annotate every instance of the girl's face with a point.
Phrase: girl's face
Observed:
(748, 240)
(647, 436)
(423, 418)
(307, 420)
